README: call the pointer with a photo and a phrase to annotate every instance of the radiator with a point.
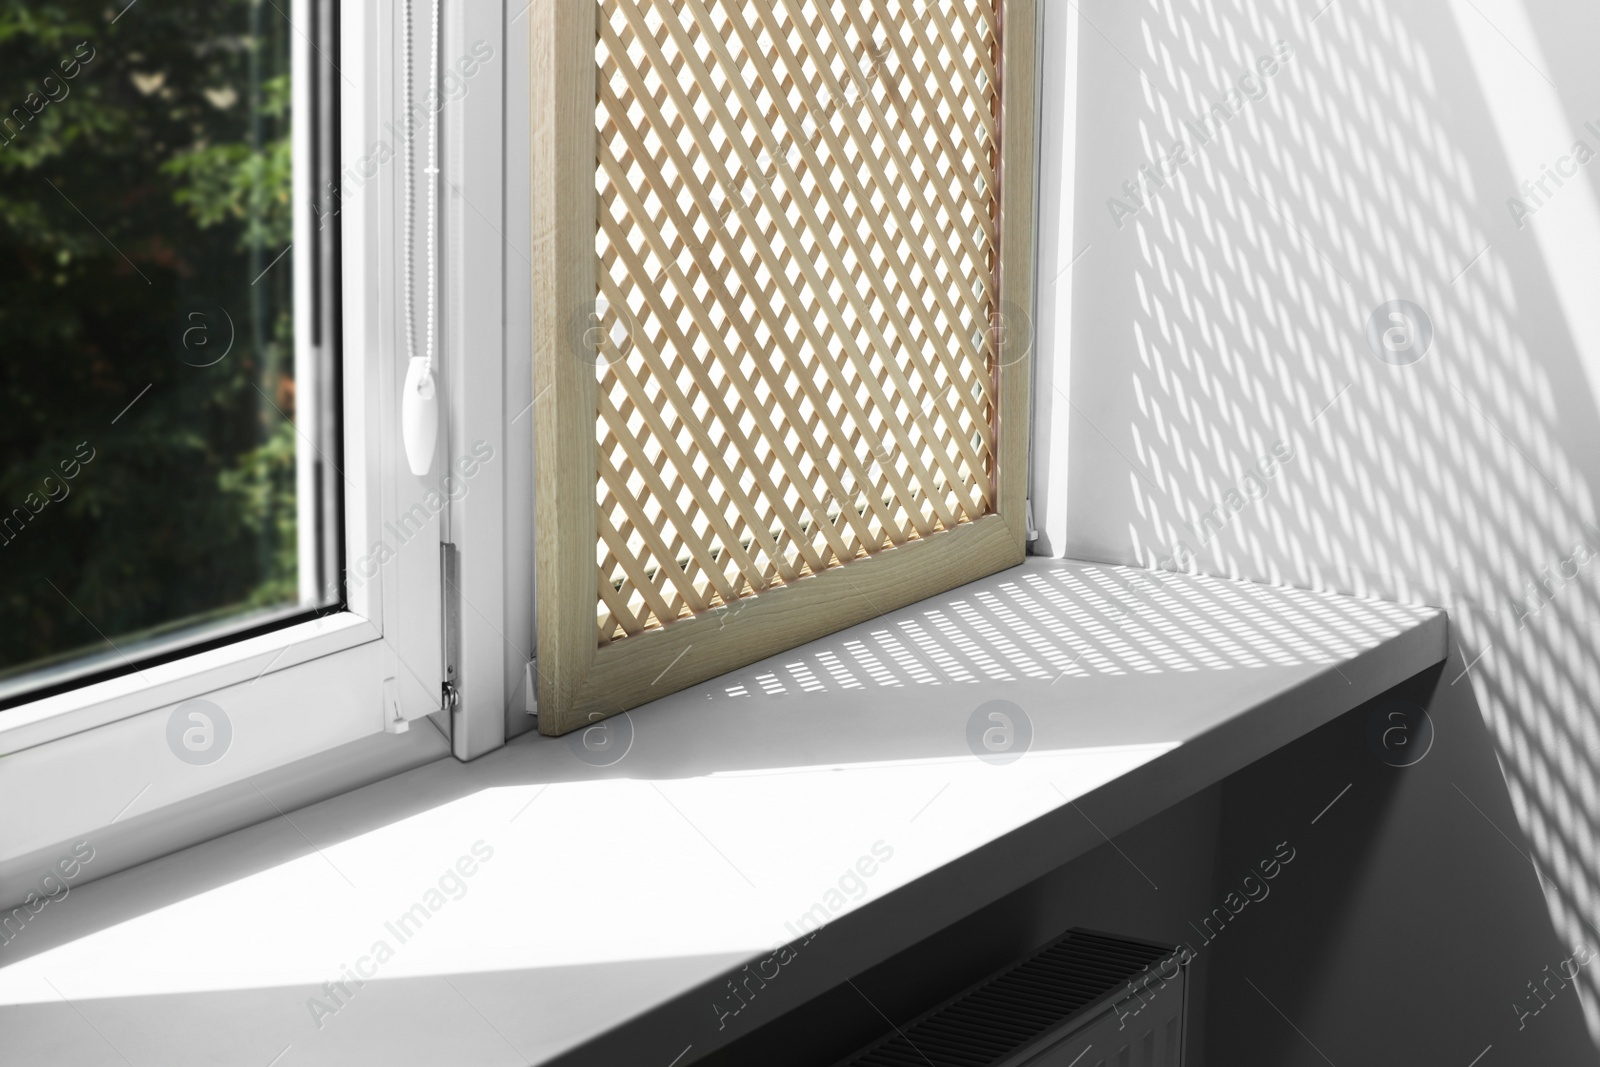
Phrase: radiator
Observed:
(1086, 999)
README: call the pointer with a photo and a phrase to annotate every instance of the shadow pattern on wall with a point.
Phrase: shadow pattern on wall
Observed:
(1244, 403)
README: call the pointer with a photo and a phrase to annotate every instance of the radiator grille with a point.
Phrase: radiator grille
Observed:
(1018, 1010)
(796, 325)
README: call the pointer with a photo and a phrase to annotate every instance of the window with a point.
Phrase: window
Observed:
(168, 416)
(776, 379)
(785, 246)
(247, 541)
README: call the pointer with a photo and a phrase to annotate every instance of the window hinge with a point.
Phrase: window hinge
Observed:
(450, 611)
(530, 688)
(450, 638)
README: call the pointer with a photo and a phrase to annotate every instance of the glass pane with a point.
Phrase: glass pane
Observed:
(155, 441)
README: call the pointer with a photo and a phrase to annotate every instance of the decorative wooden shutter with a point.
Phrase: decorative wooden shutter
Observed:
(783, 257)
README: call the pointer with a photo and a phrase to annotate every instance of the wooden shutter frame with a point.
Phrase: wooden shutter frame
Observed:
(579, 680)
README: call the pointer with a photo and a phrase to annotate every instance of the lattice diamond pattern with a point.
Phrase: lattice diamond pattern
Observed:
(797, 250)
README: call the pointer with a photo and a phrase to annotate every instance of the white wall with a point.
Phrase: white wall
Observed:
(1229, 317)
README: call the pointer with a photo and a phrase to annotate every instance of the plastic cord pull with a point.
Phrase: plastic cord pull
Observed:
(419, 415)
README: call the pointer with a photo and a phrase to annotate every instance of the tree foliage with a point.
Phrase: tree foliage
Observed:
(145, 172)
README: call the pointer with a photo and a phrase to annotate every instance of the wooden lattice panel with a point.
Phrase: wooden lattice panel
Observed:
(789, 243)
(798, 249)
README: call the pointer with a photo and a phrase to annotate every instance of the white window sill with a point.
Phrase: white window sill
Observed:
(636, 888)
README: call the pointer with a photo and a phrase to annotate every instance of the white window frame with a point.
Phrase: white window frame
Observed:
(489, 372)
(321, 706)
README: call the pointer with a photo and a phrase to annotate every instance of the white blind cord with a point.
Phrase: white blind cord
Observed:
(433, 175)
(419, 410)
(409, 165)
